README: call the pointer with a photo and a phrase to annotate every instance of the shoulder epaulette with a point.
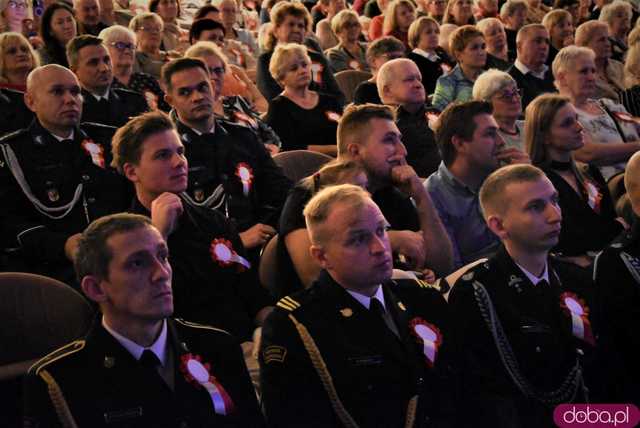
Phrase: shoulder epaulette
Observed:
(127, 91)
(66, 350)
(633, 265)
(201, 326)
(12, 135)
(440, 285)
(97, 125)
(288, 303)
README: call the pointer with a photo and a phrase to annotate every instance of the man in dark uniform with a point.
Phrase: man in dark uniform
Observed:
(89, 59)
(355, 349)
(399, 85)
(229, 169)
(617, 276)
(368, 135)
(137, 367)
(213, 282)
(55, 177)
(14, 114)
(519, 324)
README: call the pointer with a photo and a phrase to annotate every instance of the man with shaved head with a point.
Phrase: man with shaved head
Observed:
(519, 318)
(617, 275)
(54, 177)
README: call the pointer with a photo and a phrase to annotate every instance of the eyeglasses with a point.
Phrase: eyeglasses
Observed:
(351, 24)
(218, 71)
(16, 5)
(507, 95)
(154, 30)
(123, 46)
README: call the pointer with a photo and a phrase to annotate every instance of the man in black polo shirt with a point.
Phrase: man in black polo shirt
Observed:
(367, 134)
(531, 73)
(399, 84)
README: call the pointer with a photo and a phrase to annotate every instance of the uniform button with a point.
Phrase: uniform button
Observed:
(538, 350)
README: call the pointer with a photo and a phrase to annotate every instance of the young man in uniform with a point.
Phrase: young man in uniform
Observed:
(89, 59)
(213, 281)
(137, 366)
(519, 325)
(230, 170)
(355, 349)
(55, 177)
(617, 276)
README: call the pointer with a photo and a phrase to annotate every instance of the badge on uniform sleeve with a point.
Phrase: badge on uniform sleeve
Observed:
(197, 373)
(427, 335)
(274, 354)
(95, 151)
(577, 309)
(222, 252)
(198, 194)
(333, 116)
(245, 174)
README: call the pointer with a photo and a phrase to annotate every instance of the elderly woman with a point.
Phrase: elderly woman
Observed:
(290, 24)
(304, 119)
(400, 14)
(617, 16)
(17, 59)
(229, 19)
(553, 133)
(612, 134)
(501, 90)
(423, 38)
(57, 27)
(496, 39)
(327, 37)
(121, 43)
(148, 28)
(470, 50)
(12, 13)
(459, 12)
(559, 24)
(350, 53)
(232, 108)
(610, 73)
(169, 11)
(513, 14)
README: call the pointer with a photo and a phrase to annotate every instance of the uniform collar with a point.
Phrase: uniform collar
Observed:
(366, 300)
(433, 57)
(533, 278)
(159, 347)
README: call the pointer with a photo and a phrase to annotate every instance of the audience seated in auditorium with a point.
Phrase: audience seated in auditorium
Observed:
(88, 17)
(349, 53)
(303, 119)
(148, 28)
(617, 15)
(172, 34)
(327, 37)
(471, 149)
(553, 133)
(229, 19)
(496, 39)
(399, 86)
(612, 136)
(559, 25)
(630, 97)
(536, 10)
(423, 39)
(501, 90)
(57, 27)
(459, 12)
(398, 18)
(484, 9)
(513, 14)
(17, 59)
(432, 8)
(379, 51)
(469, 49)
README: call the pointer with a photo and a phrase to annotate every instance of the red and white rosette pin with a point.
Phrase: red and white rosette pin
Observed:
(95, 151)
(197, 373)
(429, 336)
(245, 174)
(332, 116)
(579, 312)
(223, 253)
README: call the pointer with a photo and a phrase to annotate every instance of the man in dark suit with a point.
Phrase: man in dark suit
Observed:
(520, 321)
(137, 367)
(89, 59)
(355, 349)
(529, 70)
(14, 113)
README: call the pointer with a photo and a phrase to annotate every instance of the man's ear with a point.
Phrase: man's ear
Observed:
(167, 97)
(92, 288)
(29, 101)
(318, 254)
(458, 143)
(496, 225)
(130, 171)
(353, 149)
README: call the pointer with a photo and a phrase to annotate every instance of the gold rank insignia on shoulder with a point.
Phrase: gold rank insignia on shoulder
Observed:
(346, 312)
(109, 362)
(288, 304)
(468, 276)
(401, 306)
(274, 354)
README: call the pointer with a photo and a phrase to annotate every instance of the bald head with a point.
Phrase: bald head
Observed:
(399, 82)
(47, 73)
(632, 182)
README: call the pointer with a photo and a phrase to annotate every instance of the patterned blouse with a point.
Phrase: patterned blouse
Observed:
(453, 86)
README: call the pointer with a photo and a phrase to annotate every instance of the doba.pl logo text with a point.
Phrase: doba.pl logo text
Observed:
(596, 415)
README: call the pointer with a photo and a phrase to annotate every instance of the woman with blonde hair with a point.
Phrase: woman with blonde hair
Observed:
(12, 14)
(17, 59)
(350, 53)
(497, 47)
(148, 28)
(617, 15)
(559, 24)
(304, 119)
(513, 15)
(552, 133)
(428, 56)
(400, 14)
(459, 12)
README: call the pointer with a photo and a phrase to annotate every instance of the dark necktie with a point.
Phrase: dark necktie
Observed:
(378, 311)
(149, 360)
(542, 284)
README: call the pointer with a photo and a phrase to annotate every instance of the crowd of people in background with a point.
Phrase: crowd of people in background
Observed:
(482, 154)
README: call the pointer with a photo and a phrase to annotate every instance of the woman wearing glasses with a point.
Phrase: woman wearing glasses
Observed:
(17, 59)
(148, 29)
(499, 89)
(350, 53)
(121, 43)
(12, 13)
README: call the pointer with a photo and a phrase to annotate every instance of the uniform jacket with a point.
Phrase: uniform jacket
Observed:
(538, 330)
(215, 165)
(123, 104)
(14, 114)
(53, 171)
(375, 373)
(617, 276)
(105, 386)
(207, 291)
